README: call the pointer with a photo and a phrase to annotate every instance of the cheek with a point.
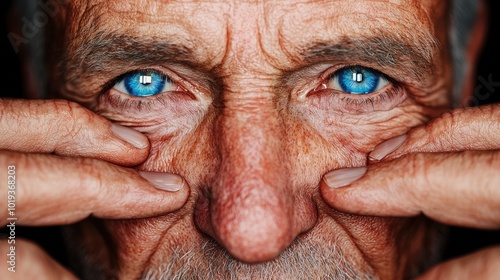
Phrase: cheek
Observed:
(312, 142)
(307, 152)
(188, 151)
(310, 153)
(354, 136)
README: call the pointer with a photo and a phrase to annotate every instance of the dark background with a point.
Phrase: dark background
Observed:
(461, 241)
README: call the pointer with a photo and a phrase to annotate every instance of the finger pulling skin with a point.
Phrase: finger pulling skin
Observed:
(463, 129)
(66, 128)
(131, 136)
(443, 186)
(343, 177)
(387, 147)
(90, 187)
(164, 181)
(446, 169)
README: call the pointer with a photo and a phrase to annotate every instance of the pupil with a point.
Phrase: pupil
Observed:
(144, 83)
(358, 80)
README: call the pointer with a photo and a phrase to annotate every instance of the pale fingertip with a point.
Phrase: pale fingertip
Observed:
(344, 177)
(131, 136)
(164, 181)
(387, 147)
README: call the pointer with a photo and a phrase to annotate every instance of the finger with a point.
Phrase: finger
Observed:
(454, 188)
(481, 265)
(66, 128)
(26, 261)
(476, 128)
(50, 190)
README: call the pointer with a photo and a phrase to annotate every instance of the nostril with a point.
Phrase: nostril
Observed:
(255, 228)
(251, 209)
(256, 234)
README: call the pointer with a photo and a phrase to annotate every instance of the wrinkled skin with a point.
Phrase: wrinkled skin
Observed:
(251, 128)
(253, 148)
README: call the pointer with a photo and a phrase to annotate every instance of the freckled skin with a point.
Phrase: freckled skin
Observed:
(255, 163)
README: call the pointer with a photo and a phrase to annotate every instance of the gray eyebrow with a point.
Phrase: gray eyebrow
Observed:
(410, 55)
(405, 55)
(110, 54)
(103, 49)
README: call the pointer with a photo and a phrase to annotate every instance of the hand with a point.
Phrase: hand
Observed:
(66, 166)
(448, 170)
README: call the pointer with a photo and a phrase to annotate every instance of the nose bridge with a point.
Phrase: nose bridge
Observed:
(250, 207)
(250, 141)
(253, 169)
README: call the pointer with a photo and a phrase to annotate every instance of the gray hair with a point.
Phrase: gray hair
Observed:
(302, 260)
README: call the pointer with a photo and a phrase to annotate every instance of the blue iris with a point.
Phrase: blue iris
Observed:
(358, 80)
(145, 83)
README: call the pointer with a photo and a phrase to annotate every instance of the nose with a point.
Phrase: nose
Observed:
(252, 209)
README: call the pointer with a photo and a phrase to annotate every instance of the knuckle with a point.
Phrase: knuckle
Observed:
(442, 132)
(12, 114)
(489, 121)
(71, 110)
(415, 176)
(71, 118)
(465, 128)
(446, 123)
(90, 177)
(3, 109)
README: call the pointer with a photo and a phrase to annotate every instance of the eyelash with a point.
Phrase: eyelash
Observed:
(323, 98)
(330, 98)
(126, 102)
(123, 102)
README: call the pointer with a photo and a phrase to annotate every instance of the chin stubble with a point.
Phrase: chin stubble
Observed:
(302, 260)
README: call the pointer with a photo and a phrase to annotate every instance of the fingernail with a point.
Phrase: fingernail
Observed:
(164, 181)
(387, 147)
(131, 136)
(343, 177)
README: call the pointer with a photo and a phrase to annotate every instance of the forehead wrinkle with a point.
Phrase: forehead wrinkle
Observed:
(269, 30)
(194, 24)
(296, 28)
(245, 45)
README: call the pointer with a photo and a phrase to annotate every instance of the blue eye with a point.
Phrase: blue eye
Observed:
(144, 83)
(358, 80)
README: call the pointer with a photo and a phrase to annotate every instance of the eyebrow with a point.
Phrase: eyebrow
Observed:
(406, 55)
(107, 48)
(109, 54)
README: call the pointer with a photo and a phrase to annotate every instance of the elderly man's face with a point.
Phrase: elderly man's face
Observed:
(252, 102)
